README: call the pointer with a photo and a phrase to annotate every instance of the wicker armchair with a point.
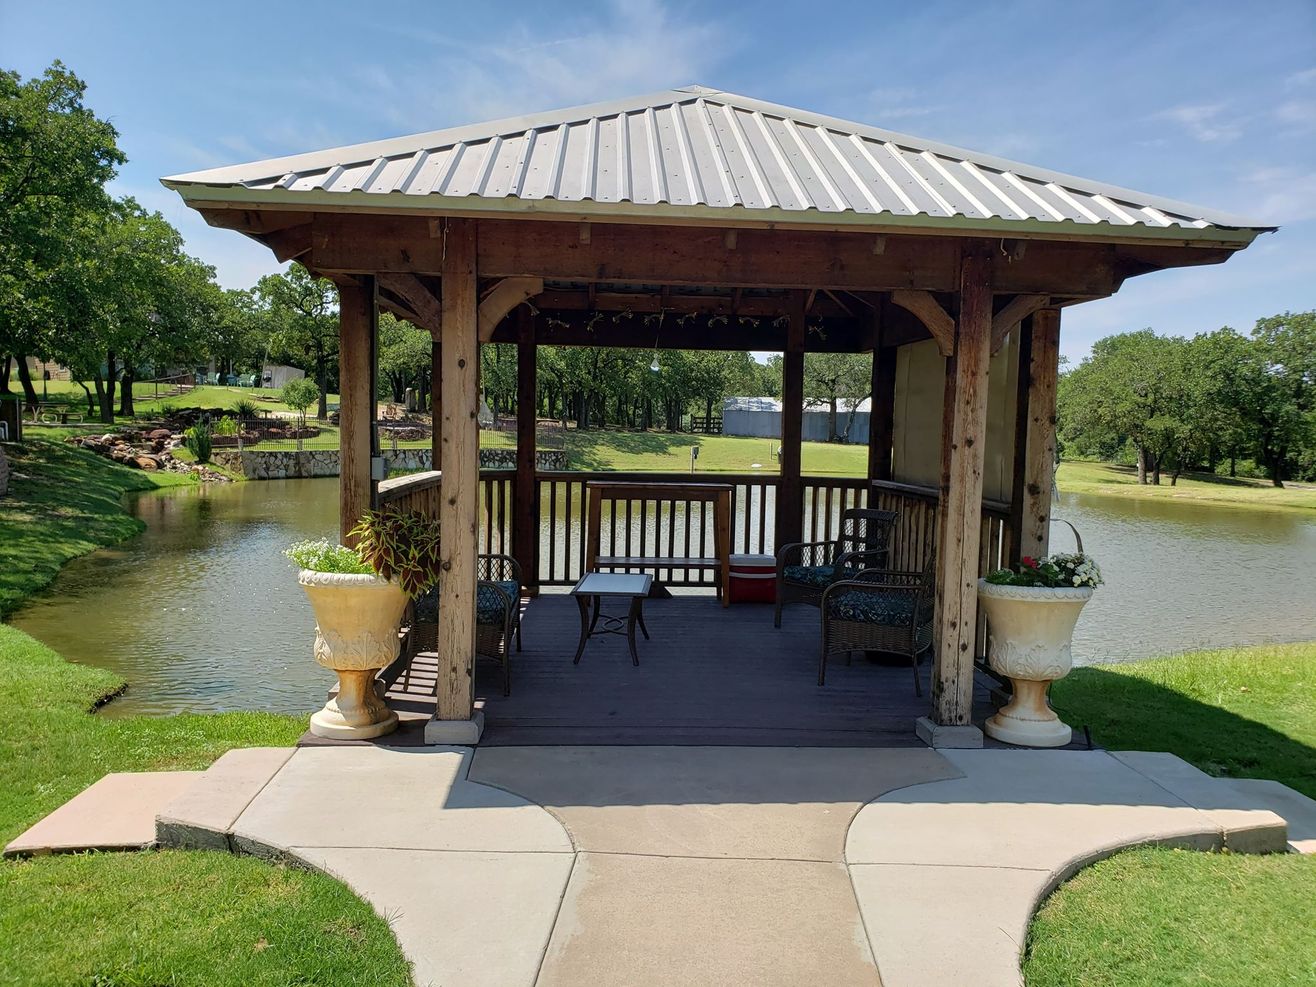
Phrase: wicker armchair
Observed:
(879, 610)
(806, 569)
(497, 614)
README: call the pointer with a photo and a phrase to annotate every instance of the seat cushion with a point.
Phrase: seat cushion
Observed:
(490, 607)
(888, 609)
(809, 575)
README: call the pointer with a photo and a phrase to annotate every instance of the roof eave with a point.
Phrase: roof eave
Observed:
(208, 196)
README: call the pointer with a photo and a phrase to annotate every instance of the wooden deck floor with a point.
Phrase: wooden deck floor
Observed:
(708, 676)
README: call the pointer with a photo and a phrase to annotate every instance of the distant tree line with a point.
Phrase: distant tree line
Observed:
(1220, 400)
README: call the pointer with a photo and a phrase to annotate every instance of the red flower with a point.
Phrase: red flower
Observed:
(1029, 562)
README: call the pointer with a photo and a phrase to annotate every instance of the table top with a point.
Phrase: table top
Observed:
(613, 584)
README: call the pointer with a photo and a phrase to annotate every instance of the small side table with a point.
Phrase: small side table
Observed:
(589, 594)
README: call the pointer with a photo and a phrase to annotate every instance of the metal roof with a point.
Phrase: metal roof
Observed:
(702, 154)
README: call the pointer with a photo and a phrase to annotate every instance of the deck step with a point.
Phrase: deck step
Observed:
(204, 814)
(116, 813)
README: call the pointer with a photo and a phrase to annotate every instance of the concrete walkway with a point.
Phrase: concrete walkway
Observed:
(708, 865)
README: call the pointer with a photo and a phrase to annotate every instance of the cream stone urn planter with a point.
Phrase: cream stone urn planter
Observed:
(1029, 631)
(356, 635)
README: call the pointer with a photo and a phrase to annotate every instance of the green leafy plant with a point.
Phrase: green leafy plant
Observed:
(245, 408)
(198, 440)
(226, 426)
(325, 556)
(299, 395)
(401, 547)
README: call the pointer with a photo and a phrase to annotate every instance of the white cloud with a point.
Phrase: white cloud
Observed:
(1298, 116)
(1205, 122)
(1282, 194)
(1307, 77)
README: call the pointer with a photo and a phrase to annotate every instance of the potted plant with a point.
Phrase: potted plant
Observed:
(1031, 612)
(359, 596)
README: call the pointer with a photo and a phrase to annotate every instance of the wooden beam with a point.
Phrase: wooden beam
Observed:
(418, 297)
(436, 401)
(559, 328)
(1015, 311)
(254, 220)
(597, 298)
(931, 314)
(506, 295)
(636, 254)
(1018, 469)
(1039, 470)
(357, 325)
(789, 522)
(882, 406)
(960, 522)
(525, 531)
(458, 510)
(289, 243)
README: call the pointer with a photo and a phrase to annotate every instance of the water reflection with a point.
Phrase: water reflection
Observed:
(202, 612)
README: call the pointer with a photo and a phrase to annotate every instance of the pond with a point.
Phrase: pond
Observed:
(202, 612)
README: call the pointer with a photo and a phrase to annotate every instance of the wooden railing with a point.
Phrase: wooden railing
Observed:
(677, 529)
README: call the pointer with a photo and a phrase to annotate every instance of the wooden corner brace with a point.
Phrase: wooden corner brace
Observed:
(506, 295)
(931, 314)
(1015, 311)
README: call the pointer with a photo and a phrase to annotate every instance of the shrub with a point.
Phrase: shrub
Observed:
(402, 547)
(226, 426)
(245, 408)
(197, 440)
(325, 556)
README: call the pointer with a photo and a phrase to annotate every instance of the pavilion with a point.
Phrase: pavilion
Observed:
(698, 219)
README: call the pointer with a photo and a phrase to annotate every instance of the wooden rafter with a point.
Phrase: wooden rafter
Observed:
(504, 296)
(1015, 311)
(931, 314)
(289, 243)
(416, 296)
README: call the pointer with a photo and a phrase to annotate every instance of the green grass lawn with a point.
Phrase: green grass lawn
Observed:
(62, 503)
(1160, 917)
(147, 918)
(1122, 481)
(146, 401)
(1239, 712)
(1178, 918)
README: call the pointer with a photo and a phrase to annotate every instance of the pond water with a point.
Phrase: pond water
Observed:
(202, 612)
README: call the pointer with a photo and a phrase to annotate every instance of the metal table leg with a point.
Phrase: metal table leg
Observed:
(586, 625)
(630, 629)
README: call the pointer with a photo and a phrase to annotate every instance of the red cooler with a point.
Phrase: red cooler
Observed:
(753, 579)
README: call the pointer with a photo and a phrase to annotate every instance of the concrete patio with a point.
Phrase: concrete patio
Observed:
(632, 865)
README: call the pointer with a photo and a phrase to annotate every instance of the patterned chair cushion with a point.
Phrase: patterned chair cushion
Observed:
(888, 609)
(809, 575)
(490, 608)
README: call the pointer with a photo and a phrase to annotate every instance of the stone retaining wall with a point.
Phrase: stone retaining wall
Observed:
(264, 464)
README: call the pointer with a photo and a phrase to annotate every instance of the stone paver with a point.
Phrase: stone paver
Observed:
(116, 813)
(202, 815)
(747, 802)
(400, 798)
(464, 919)
(933, 925)
(642, 920)
(966, 861)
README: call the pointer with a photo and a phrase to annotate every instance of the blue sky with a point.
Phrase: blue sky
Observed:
(1211, 102)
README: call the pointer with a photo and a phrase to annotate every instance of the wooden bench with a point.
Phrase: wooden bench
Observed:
(718, 494)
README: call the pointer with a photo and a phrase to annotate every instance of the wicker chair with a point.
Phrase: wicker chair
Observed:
(879, 610)
(497, 614)
(806, 569)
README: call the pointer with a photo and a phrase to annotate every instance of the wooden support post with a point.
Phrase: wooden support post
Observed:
(789, 522)
(960, 521)
(1039, 470)
(436, 400)
(525, 498)
(882, 406)
(358, 319)
(458, 508)
(1018, 472)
